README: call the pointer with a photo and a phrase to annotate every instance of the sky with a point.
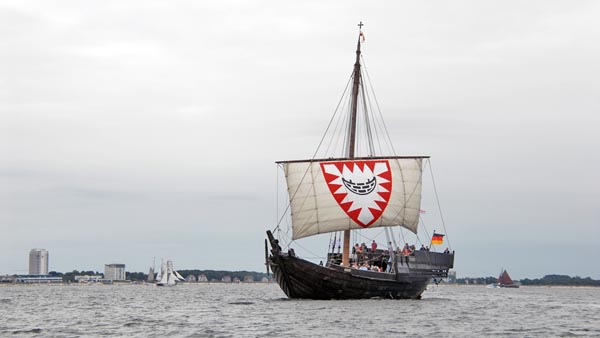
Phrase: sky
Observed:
(133, 131)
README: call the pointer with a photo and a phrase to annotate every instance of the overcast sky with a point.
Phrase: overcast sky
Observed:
(139, 129)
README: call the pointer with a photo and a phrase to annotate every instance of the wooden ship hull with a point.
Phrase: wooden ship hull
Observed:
(299, 278)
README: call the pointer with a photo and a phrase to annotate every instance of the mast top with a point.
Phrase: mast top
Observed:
(360, 33)
(360, 36)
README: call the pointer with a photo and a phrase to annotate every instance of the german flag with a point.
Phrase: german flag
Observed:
(437, 239)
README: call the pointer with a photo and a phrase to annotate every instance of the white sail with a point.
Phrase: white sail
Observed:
(168, 276)
(171, 278)
(345, 194)
(164, 275)
(179, 277)
(151, 275)
(163, 279)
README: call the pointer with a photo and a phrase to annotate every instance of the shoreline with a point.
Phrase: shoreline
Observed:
(126, 284)
(260, 283)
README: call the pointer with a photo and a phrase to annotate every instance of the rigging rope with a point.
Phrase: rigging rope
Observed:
(314, 154)
(438, 203)
(384, 126)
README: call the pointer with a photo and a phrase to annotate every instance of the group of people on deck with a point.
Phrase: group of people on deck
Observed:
(363, 255)
(359, 249)
(366, 267)
(365, 258)
(405, 251)
(368, 258)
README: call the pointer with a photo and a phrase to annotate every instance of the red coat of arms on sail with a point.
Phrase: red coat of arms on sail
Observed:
(362, 188)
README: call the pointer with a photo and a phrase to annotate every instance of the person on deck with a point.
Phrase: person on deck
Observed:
(373, 246)
(390, 258)
(359, 253)
(406, 251)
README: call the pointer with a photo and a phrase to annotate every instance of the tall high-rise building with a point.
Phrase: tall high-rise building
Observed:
(38, 262)
(114, 271)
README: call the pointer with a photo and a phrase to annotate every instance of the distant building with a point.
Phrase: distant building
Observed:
(191, 278)
(89, 279)
(38, 279)
(451, 276)
(202, 278)
(226, 279)
(114, 271)
(7, 279)
(38, 262)
(248, 279)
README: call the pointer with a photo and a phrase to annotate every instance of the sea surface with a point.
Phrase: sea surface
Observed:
(261, 310)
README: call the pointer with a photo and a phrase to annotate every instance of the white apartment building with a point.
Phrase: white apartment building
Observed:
(38, 262)
(114, 271)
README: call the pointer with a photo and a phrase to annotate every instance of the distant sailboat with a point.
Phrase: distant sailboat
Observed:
(504, 281)
(151, 272)
(151, 275)
(167, 276)
(159, 273)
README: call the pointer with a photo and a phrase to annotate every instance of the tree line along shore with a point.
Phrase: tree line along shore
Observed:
(211, 275)
(548, 280)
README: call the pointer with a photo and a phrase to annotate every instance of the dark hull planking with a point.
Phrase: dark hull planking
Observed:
(299, 278)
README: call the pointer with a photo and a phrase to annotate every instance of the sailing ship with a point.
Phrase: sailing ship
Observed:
(340, 194)
(150, 275)
(504, 281)
(167, 276)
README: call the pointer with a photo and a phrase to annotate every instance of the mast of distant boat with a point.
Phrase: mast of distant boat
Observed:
(352, 134)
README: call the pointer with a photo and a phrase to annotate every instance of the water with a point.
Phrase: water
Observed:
(261, 310)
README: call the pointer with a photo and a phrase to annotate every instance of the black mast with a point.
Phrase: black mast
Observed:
(352, 131)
